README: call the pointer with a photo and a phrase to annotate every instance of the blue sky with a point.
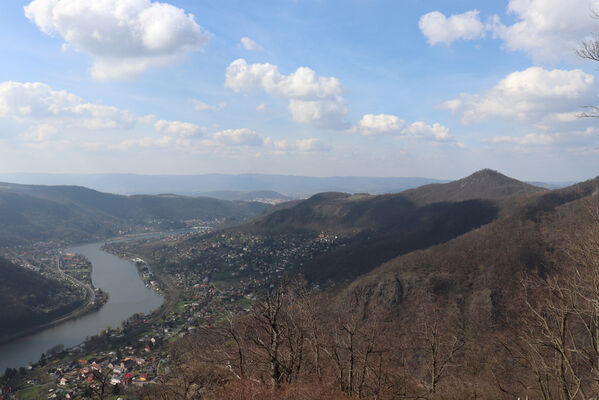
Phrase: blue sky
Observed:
(305, 87)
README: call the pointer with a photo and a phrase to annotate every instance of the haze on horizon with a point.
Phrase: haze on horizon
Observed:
(313, 87)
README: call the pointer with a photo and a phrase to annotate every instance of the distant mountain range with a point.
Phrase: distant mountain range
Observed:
(221, 184)
(74, 213)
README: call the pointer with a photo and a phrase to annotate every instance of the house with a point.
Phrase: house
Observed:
(127, 378)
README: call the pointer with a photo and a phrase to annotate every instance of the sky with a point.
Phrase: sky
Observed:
(423, 88)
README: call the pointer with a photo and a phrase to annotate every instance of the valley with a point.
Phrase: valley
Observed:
(451, 256)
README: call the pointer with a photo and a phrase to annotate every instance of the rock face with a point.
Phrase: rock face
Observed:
(387, 292)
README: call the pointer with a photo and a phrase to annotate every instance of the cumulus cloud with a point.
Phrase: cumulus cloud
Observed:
(326, 114)
(440, 29)
(244, 137)
(178, 128)
(530, 95)
(313, 99)
(34, 101)
(201, 106)
(387, 124)
(435, 132)
(262, 108)
(249, 44)
(302, 84)
(548, 29)
(372, 124)
(124, 37)
(49, 118)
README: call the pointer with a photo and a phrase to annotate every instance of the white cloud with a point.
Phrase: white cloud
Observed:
(566, 116)
(302, 84)
(439, 29)
(94, 116)
(41, 133)
(178, 128)
(530, 95)
(36, 102)
(313, 99)
(201, 106)
(548, 29)
(308, 145)
(435, 132)
(371, 124)
(49, 118)
(124, 37)
(244, 137)
(33, 99)
(326, 114)
(145, 142)
(262, 108)
(529, 139)
(249, 44)
(387, 124)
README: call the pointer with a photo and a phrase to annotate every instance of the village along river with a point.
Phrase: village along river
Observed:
(127, 295)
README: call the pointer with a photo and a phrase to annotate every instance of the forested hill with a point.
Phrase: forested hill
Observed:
(381, 227)
(33, 213)
(482, 269)
(483, 184)
(335, 211)
(28, 299)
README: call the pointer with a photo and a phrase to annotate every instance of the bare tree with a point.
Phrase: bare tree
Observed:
(561, 341)
(440, 343)
(590, 50)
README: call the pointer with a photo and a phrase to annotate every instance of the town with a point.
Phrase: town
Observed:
(203, 277)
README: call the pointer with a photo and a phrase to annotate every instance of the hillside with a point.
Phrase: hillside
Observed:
(385, 226)
(28, 299)
(29, 212)
(448, 279)
(335, 211)
(482, 268)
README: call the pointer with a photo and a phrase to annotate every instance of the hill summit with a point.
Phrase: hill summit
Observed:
(483, 184)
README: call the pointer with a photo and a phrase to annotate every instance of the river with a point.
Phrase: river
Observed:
(127, 295)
